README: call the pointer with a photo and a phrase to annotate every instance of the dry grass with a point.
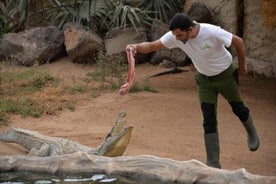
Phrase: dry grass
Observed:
(31, 92)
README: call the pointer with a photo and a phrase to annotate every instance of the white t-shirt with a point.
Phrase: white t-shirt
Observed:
(207, 50)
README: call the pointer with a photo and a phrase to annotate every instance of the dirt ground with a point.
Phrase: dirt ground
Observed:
(166, 124)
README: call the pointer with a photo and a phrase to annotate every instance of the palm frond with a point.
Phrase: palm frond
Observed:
(23, 9)
(163, 9)
(96, 14)
(125, 15)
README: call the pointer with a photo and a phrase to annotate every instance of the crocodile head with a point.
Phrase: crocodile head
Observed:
(117, 144)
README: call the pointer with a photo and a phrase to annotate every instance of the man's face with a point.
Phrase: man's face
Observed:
(181, 35)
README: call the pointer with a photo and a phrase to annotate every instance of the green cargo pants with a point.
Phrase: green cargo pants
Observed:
(226, 84)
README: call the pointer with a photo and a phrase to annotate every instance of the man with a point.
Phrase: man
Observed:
(205, 45)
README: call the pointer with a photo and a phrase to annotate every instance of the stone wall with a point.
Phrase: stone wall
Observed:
(260, 35)
(259, 30)
(224, 10)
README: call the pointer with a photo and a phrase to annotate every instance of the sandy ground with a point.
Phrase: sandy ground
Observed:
(166, 124)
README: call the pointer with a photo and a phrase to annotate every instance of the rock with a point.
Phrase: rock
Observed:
(2, 57)
(262, 68)
(224, 12)
(35, 46)
(73, 25)
(117, 39)
(167, 64)
(259, 37)
(201, 13)
(81, 45)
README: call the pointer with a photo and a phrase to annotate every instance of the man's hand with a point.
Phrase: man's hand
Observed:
(132, 47)
(242, 72)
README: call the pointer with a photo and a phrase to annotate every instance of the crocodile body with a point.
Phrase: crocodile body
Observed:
(41, 145)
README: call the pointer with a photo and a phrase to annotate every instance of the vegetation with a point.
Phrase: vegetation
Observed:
(99, 15)
(31, 92)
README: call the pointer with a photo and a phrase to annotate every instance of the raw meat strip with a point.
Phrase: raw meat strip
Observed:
(131, 73)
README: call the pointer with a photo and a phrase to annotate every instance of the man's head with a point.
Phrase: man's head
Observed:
(181, 21)
(181, 25)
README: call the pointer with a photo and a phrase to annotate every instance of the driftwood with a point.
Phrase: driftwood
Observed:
(148, 169)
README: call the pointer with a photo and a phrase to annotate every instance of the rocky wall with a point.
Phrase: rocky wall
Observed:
(225, 11)
(258, 28)
(260, 36)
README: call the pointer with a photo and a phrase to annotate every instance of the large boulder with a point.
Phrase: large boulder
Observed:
(81, 45)
(35, 46)
(117, 39)
(225, 13)
(2, 57)
(259, 36)
(260, 68)
(73, 25)
(200, 12)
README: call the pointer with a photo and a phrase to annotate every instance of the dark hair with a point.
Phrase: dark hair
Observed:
(181, 21)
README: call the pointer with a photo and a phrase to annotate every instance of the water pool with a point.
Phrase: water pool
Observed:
(30, 178)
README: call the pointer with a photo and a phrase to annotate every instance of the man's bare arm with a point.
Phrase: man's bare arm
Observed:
(239, 45)
(146, 47)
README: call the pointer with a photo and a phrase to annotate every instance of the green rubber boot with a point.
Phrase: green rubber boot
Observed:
(212, 150)
(252, 137)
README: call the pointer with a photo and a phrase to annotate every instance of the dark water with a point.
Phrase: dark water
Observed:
(32, 178)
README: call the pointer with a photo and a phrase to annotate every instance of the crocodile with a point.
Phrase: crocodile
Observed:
(41, 145)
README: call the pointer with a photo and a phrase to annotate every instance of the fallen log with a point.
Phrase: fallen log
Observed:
(150, 169)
